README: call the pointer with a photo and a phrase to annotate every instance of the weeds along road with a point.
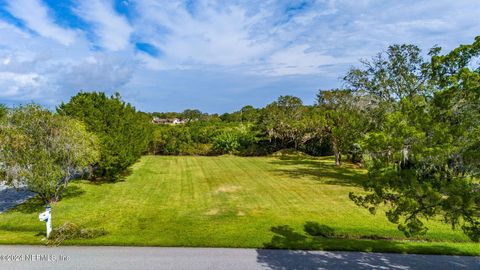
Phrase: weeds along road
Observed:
(117, 258)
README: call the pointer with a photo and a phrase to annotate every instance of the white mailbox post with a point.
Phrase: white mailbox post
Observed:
(47, 218)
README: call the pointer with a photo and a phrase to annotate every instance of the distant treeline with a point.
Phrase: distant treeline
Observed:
(283, 124)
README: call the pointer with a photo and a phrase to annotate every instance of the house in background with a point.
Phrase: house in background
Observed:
(168, 121)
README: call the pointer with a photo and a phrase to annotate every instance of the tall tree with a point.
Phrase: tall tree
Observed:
(285, 120)
(424, 159)
(44, 151)
(124, 133)
(399, 72)
(342, 121)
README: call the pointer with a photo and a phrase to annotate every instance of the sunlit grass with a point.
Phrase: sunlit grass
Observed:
(229, 201)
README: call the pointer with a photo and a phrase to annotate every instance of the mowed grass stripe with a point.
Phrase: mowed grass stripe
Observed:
(268, 186)
(226, 201)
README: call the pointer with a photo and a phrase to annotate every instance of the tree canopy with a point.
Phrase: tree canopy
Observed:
(124, 134)
(44, 151)
(423, 158)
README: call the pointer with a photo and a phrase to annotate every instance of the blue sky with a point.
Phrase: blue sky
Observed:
(216, 56)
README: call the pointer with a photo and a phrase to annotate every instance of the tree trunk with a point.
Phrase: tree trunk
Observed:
(336, 152)
(337, 158)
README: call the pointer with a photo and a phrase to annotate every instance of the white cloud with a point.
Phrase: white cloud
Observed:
(271, 41)
(19, 85)
(298, 60)
(45, 71)
(35, 15)
(112, 30)
(97, 72)
(227, 37)
(217, 36)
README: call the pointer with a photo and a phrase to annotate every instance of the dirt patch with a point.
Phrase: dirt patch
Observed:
(227, 189)
(212, 212)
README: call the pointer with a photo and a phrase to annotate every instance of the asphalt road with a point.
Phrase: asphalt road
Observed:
(117, 258)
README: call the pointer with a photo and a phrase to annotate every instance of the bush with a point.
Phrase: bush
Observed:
(226, 143)
(203, 138)
(172, 140)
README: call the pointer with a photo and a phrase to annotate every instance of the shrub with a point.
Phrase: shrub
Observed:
(226, 143)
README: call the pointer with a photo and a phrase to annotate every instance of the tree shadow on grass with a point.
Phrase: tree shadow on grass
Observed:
(72, 192)
(36, 205)
(296, 255)
(109, 180)
(327, 173)
(33, 205)
(286, 237)
(10, 197)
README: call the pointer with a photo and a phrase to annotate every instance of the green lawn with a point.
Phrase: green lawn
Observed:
(229, 201)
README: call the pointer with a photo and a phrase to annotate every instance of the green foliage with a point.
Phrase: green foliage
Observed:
(192, 115)
(202, 138)
(176, 140)
(398, 73)
(226, 143)
(288, 123)
(3, 111)
(44, 151)
(233, 141)
(124, 133)
(247, 114)
(423, 157)
(343, 123)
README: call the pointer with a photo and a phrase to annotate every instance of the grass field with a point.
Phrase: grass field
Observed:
(229, 201)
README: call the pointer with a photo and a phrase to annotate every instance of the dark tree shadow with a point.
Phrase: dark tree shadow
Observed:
(36, 205)
(33, 204)
(10, 197)
(345, 175)
(295, 253)
(72, 192)
(121, 177)
(286, 238)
